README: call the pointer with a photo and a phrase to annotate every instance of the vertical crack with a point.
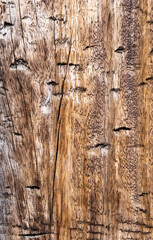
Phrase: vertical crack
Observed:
(54, 174)
(58, 131)
(21, 25)
(63, 83)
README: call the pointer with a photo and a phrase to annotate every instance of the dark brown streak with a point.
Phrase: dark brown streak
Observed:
(109, 20)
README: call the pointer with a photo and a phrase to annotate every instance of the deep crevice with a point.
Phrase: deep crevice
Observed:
(35, 234)
(142, 210)
(74, 64)
(25, 17)
(121, 129)
(92, 232)
(68, 64)
(4, 88)
(151, 21)
(102, 145)
(89, 46)
(116, 90)
(142, 84)
(18, 62)
(52, 83)
(33, 187)
(62, 64)
(8, 24)
(143, 194)
(149, 78)
(120, 49)
(151, 52)
(17, 134)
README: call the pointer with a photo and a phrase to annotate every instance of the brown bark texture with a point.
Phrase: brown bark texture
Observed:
(76, 119)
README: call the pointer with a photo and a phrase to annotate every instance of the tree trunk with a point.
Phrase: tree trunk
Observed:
(76, 125)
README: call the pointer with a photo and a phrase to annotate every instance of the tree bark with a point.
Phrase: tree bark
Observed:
(76, 125)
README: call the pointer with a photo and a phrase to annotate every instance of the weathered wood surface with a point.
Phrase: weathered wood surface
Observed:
(76, 130)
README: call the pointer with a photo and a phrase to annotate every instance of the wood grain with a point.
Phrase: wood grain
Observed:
(76, 119)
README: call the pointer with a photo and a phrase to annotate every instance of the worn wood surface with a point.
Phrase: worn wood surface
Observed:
(76, 119)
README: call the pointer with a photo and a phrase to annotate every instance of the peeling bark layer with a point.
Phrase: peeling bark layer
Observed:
(76, 119)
